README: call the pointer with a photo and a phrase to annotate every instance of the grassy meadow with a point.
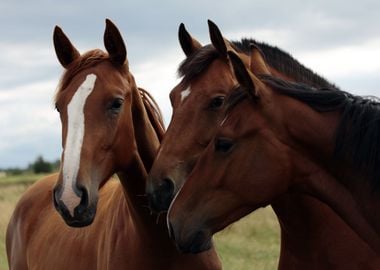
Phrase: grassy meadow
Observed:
(251, 243)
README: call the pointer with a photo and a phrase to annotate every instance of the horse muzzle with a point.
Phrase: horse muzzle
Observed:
(82, 215)
(194, 241)
(161, 195)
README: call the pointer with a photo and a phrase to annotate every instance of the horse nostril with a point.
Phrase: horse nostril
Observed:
(167, 187)
(84, 201)
(161, 195)
(58, 204)
(55, 197)
(84, 196)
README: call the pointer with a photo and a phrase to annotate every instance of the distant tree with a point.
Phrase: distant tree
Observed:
(56, 165)
(14, 171)
(41, 166)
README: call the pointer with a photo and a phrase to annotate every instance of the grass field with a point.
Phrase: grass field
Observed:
(252, 243)
(11, 189)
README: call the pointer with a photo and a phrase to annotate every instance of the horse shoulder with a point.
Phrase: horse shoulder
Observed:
(24, 220)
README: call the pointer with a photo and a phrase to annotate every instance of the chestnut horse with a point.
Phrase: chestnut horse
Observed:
(312, 235)
(281, 137)
(108, 126)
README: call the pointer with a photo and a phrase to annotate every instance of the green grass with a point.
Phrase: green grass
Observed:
(22, 179)
(251, 243)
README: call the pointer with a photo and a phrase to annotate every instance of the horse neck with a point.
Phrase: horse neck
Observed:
(133, 177)
(316, 140)
(307, 222)
(307, 225)
(311, 138)
(151, 231)
(147, 135)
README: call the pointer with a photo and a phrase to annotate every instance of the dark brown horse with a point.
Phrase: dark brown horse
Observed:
(108, 126)
(312, 235)
(282, 137)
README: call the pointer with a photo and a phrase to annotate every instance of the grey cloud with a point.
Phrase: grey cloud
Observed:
(150, 30)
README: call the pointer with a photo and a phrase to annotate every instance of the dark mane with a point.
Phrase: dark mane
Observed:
(280, 60)
(358, 133)
(154, 113)
(284, 63)
(197, 63)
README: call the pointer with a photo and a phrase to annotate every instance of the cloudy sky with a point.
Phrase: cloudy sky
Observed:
(338, 39)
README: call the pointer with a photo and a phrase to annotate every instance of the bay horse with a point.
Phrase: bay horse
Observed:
(109, 126)
(312, 235)
(281, 137)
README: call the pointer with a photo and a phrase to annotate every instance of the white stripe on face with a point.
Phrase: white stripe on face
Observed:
(74, 140)
(185, 94)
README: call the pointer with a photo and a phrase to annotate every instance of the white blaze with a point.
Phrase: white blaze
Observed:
(74, 141)
(185, 94)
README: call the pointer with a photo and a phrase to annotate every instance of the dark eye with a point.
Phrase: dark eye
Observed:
(116, 105)
(216, 102)
(56, 107)
(223, 145)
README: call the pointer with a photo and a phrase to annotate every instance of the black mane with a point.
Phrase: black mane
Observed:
(197, 63)
(280, 60)
(284, 63)
(358, 134)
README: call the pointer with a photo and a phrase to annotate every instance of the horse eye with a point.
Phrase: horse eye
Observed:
(56, 107)
(223, 145)
(116, 105)
(216, 102)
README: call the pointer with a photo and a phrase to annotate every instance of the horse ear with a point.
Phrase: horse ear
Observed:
(188, 43)
(257, 63)
(65, 51)
(114, 44)
(242, 74)
(217, 38)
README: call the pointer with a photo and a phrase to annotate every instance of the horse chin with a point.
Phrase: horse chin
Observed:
(83, 216)
(199, 242)
(79, 223)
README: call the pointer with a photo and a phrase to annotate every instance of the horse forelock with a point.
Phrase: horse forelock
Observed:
(87, 60)
(197, 63)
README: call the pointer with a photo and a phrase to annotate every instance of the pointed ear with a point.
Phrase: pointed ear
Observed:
(217, 39)
(242, 74)
(257, 63)
(114, 44)
(65, 51)
(188, 43)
